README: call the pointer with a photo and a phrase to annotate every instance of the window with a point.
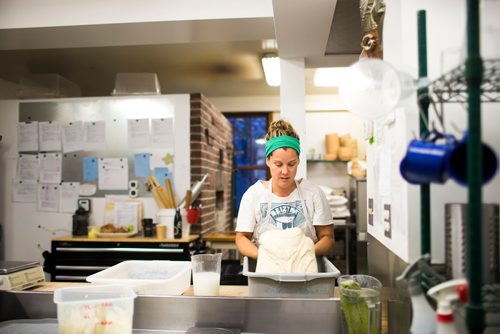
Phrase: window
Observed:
(249, 161)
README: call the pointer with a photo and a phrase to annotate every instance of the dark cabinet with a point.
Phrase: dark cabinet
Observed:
(75, 258)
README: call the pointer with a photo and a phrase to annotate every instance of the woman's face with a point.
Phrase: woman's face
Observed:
(283, 164)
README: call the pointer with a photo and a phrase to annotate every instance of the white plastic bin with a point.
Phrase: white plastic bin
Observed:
(148, 277)
(95, 309)
(317, 285)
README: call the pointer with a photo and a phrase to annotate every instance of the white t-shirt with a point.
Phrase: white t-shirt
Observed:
(286, 212)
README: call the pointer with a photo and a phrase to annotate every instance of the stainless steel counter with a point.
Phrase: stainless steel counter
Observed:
(50, 326)
(176, 314)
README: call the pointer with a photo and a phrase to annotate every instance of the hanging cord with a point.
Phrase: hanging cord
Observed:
(53, 231)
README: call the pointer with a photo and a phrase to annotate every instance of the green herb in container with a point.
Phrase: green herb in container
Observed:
(360, 304)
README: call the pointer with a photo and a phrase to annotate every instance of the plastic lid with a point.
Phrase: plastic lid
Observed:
(93, 293)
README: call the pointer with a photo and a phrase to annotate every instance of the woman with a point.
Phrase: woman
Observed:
(283, 202)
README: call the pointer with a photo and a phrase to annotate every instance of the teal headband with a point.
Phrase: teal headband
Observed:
(282, 141)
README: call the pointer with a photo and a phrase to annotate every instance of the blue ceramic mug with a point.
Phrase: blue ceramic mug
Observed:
(426, 158)
(457, 162)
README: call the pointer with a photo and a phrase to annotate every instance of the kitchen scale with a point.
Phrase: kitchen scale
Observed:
(20, 275)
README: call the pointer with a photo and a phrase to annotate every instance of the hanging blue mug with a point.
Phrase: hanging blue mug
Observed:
(457, 162)
(426, 158)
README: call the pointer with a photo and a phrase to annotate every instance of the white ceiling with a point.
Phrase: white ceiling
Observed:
(219, 58)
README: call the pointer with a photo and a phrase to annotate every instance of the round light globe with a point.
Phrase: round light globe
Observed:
(371, 89)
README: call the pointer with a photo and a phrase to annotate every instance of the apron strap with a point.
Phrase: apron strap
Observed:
(304, 207)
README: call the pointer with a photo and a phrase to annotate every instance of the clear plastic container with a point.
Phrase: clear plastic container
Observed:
(206, 274)
(317, 285)
(154, 277)
(95, 309)
(136, 84)
(47, 85)
(360, 304)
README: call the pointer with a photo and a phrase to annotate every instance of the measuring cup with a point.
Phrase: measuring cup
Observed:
(206, 274)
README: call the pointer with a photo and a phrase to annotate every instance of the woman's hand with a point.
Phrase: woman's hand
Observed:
(245, 245)
(325, 239)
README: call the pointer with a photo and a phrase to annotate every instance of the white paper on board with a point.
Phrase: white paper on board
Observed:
(138, 133)
(28, 167)
(49, 136)
(72, 136)
(27, 136)
(48, 197)
(113, 174)
(50, 167)
(24, 191)
(162, 133)
(68, 201)
(94, 136)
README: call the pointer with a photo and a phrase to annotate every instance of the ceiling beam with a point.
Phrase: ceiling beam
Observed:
(34, 24)
(149, 33)
(302, 27)
(15, 14)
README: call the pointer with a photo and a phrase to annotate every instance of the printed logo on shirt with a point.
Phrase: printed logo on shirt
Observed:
(284, 215)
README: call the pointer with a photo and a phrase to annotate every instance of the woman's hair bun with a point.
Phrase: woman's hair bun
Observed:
(279, 128)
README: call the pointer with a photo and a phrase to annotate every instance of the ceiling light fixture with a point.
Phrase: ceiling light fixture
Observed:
(330, 76)
(271, 66)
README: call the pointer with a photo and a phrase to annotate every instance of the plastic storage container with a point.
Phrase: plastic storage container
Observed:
(136, 84)
(318, 285)
(47, 85)
(95, 309)
(148, 277)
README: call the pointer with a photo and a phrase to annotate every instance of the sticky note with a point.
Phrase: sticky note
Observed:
(163, 173)
(90, 168)
(142, 164)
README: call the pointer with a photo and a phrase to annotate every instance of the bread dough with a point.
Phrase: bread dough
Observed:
(286, 251)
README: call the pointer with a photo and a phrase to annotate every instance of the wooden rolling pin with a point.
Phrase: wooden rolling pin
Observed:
(187, 201)
(170, 195)
(159, 192)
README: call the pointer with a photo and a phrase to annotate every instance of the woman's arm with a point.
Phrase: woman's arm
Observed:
(325, 239)
(245, 244)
